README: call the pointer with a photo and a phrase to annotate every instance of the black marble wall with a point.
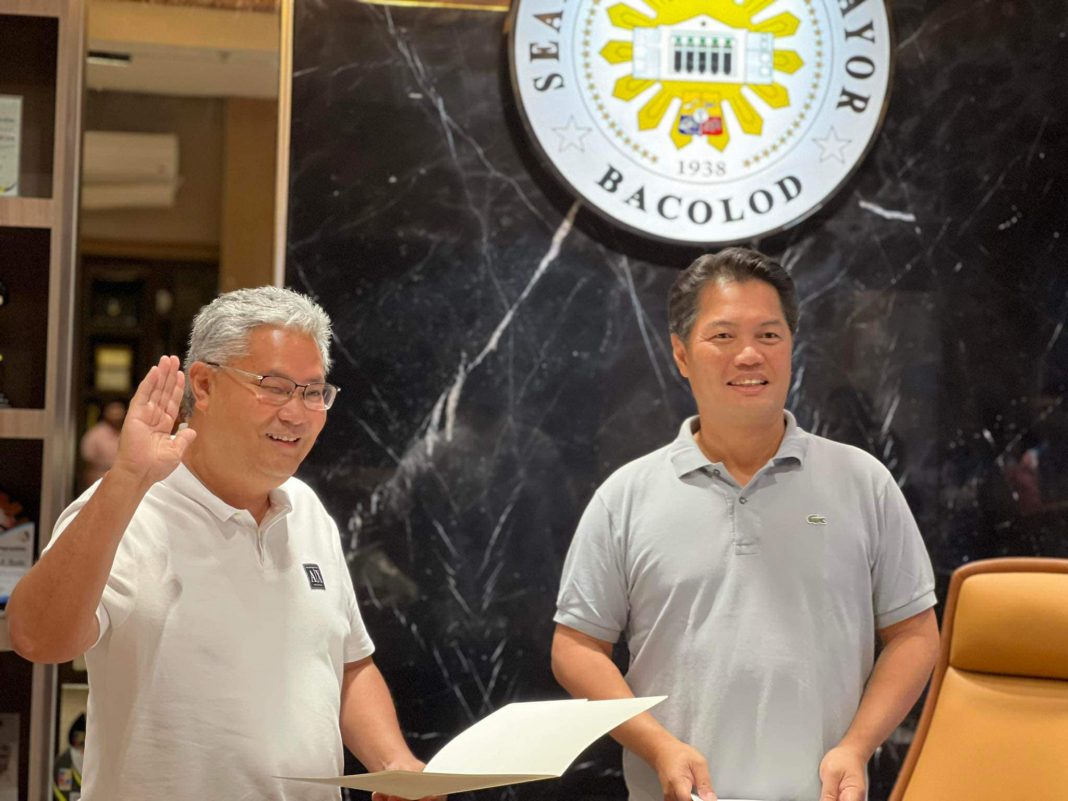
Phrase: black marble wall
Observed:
(501, 350)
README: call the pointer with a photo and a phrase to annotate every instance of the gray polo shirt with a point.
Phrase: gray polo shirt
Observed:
(754, 609)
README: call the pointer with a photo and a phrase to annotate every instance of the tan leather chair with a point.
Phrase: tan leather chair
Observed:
(995, 723)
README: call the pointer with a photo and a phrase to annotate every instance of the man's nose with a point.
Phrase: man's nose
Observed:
(749, 355)
(294, 408)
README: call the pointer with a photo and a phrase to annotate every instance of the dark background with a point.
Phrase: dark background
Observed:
(488, 390)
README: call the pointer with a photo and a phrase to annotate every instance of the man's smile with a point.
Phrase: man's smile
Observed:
(283, 438)
(749, 385)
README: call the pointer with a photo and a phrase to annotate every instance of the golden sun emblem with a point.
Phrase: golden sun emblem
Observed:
(703, 53)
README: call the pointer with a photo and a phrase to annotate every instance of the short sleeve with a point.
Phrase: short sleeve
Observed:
(119, 593)
(358, 644)
(902, 578)
(593, 588)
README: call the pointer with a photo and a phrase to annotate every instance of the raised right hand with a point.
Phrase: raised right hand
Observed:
(682, 770)
(147, 451)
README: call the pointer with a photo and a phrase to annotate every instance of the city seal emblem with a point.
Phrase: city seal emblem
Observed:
(702, 122)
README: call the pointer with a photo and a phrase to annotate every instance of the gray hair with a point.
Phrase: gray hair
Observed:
(221, 329)
(730, 265)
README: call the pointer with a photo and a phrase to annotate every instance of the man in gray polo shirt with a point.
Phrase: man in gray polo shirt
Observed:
(749, 566)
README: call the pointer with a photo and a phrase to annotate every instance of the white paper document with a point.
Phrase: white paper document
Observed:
(10, 141)
(521, 742)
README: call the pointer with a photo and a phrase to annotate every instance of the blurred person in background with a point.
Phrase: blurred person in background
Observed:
(100, 444)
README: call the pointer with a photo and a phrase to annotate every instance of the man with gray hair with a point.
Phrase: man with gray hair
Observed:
(207, 586)
(749, 566)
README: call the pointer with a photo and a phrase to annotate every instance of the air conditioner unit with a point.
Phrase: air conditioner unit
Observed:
(129, 170)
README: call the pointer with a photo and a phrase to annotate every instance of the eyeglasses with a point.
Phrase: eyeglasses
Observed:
(277, 391)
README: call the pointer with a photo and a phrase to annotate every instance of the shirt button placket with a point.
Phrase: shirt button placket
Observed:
(746, 542)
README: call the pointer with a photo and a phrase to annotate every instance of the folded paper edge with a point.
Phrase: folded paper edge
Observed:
(516, 777)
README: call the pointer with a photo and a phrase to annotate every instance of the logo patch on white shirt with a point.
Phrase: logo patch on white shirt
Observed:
(816, 520)
(315, 576)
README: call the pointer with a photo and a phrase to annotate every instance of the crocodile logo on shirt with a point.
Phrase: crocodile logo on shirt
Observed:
(816, 520)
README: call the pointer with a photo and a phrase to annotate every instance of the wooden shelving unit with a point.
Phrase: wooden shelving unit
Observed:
(41, 58)
(26, 212)
(23, 424)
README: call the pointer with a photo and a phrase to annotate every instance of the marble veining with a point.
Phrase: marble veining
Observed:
(501, 349)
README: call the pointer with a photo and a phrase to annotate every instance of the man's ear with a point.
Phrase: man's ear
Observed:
(678, 350)
(201, 379)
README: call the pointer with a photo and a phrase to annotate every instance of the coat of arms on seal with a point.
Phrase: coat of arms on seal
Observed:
(702, 121)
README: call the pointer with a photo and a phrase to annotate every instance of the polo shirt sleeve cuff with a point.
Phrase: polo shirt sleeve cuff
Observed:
(104, 620)
(358, 651)
(587, 628)
(921, 604)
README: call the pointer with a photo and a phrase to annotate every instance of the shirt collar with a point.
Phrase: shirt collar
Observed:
(687, 457)
(183, 481)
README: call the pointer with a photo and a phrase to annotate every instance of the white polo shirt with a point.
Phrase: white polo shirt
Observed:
(222, 649)
(754, 609)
